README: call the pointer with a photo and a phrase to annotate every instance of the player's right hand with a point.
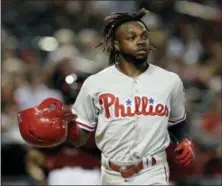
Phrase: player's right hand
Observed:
(73, 132)
(68, 115)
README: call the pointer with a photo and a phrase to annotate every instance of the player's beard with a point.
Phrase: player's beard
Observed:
(134, 60)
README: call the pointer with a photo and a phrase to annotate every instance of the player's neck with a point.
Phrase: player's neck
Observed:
(131, 69)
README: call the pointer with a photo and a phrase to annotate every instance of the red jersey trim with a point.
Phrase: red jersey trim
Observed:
(85, 125)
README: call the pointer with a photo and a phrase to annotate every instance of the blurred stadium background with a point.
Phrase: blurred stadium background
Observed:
(47, 50)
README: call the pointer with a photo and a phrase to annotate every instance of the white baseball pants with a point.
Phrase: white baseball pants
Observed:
(156, 175)
(153, 175)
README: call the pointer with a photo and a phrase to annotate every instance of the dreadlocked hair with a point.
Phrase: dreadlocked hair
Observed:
(112, 22)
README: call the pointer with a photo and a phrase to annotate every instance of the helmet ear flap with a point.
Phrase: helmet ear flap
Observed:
(43, 125)
(26, 132)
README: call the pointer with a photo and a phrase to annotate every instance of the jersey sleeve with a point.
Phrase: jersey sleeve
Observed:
(85, 109)
(177, 113)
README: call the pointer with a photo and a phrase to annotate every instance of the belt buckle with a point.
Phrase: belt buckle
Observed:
(123, 168)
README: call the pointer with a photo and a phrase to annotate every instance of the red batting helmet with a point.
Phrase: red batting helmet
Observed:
(44, 124)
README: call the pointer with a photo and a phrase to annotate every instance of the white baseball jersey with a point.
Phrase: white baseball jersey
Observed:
(130, 115)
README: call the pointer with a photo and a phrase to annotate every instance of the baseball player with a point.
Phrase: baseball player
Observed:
(133, 107)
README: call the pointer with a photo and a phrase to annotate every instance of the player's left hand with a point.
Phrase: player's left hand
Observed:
(185, 152)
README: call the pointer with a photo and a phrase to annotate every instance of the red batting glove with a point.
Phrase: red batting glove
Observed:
(185, 152)
(68, 115)
(73, 132)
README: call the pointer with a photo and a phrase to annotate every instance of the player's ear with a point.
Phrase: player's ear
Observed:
(116, 45)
